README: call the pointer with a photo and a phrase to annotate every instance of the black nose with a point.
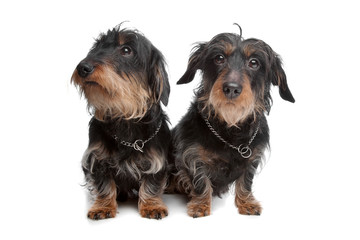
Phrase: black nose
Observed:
(84, 69)
(232, 89)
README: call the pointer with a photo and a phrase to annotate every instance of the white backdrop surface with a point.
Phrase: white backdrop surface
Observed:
(309, 187)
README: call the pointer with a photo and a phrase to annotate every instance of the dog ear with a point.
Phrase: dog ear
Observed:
(278, 78)
(158, 77)
(193, 65)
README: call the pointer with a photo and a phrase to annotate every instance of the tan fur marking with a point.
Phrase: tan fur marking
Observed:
(105, 205)
(249, 50)
(150, 204)
(153, 208)
(236, 110)
(113, 95)
(200, 205)
(245, 201)
(229, 48)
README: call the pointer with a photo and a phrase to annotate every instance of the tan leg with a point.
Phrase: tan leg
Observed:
(105, 205)
(150, 203)
(200, 204)
(244, 199)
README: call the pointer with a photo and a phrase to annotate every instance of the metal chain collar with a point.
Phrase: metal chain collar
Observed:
(244, 151)
(139, 144)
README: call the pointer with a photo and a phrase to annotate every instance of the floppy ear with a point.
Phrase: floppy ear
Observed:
(278, 78)
(158, 77)
(193, 64)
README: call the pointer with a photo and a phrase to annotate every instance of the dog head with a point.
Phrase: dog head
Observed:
(237, 75)
(123, 75)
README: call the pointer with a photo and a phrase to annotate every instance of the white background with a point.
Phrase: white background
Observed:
(309, 187)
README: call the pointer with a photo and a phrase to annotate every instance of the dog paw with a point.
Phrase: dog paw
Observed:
(153, 212)
(101, 213)
(196, 211)
(249, 208)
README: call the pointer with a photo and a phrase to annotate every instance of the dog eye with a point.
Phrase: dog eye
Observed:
(126, 51)
(254, 64)
(219, 59)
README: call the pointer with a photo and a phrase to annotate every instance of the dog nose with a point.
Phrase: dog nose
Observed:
(84, 69)
(232, 89)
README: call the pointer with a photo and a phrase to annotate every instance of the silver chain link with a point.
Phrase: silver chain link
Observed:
(138, 144)
(245, 151)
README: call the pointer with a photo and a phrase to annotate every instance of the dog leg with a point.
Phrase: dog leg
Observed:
(200, 203)
(244, 199)
(150, 203)
(199, 206)
(105, 205)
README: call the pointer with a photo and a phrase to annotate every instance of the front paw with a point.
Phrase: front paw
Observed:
(198, 210)
(101, 213)
(249, 207)
(153, 209)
